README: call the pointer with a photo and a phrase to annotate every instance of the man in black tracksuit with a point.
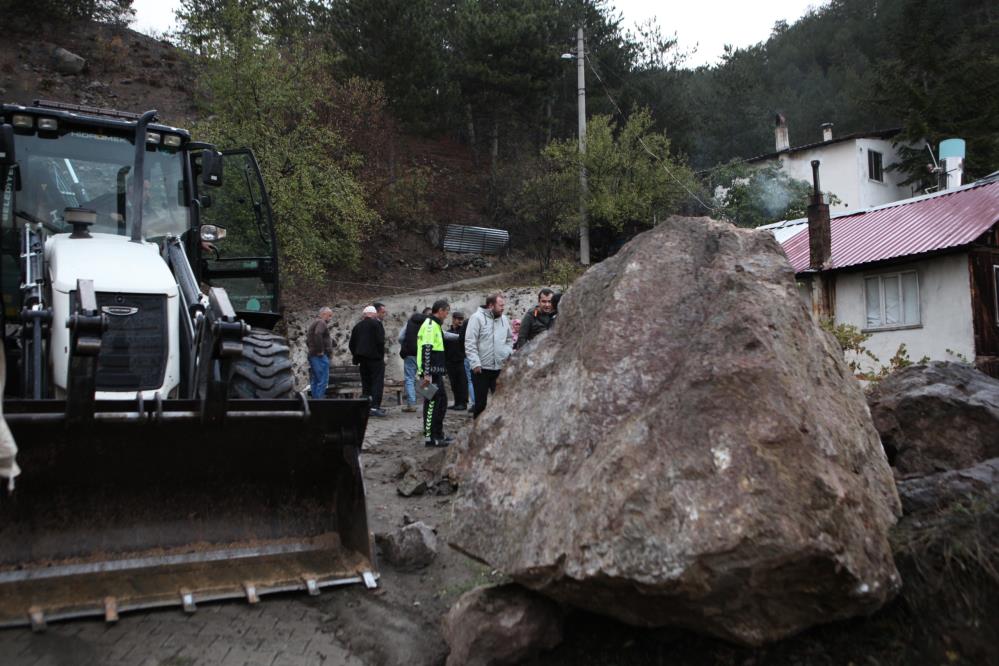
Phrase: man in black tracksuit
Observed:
(407, 351)
(454, 355)
(367, 347)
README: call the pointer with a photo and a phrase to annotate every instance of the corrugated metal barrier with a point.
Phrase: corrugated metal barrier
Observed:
(475, 240)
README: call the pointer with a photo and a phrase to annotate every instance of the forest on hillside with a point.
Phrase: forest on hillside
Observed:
(320, 87)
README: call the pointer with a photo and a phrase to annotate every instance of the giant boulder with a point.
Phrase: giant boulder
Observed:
(686, 447)
(937, 417)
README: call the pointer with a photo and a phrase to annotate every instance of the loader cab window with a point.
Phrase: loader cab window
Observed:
(244, 263)
(90, 170)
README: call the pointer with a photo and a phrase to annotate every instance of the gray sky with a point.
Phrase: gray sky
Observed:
(707, 24)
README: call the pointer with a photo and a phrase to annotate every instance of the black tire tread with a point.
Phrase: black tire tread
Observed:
(265, 369)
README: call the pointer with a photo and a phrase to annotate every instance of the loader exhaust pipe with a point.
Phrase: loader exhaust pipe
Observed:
(138, 170)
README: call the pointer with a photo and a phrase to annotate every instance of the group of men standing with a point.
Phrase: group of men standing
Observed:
(367, 350)
(470, 352)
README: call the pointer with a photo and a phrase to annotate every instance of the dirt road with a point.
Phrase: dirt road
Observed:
(396, 624)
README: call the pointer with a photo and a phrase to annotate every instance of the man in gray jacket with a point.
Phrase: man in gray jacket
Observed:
(488, 343)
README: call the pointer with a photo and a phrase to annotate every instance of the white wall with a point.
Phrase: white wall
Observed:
(837, 171)
(871, 192)
(844, 172)
(944, 305)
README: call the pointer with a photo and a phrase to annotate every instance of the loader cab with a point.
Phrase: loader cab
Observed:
(244, 261)
(67, 158)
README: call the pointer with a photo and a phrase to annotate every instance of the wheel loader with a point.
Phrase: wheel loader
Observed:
(165, 457)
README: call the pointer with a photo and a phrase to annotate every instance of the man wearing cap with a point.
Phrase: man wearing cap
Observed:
(367, 348)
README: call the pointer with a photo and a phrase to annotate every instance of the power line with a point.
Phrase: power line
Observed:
(662, 162)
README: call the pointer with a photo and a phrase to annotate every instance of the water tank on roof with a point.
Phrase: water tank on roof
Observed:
(952, 159)
(951, 148)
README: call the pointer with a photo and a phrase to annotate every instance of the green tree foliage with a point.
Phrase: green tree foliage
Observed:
(633, 181)
(752, 196)
(943, 80)
(115, 12)
(405, 45)
(544, 206)
(274, 100)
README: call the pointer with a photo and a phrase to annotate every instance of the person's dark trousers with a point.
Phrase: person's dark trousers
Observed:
(373, 381)
(434, 410)
(483, 383)
(459, 385)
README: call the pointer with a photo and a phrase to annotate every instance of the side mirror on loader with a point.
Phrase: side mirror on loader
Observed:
(211, 168)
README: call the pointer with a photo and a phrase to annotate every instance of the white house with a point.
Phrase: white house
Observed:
(854, 166)
(923, 272)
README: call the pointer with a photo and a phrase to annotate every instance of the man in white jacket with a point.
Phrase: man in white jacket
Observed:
(488, 343)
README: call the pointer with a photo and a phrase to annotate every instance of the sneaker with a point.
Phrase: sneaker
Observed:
(448, 440)
(471, 408)
(436, 443)
(409, 408)
(377, 412)
(460, 408)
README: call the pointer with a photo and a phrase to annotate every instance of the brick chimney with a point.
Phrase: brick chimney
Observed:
(819, 231)
(827, 131)
(780, 134)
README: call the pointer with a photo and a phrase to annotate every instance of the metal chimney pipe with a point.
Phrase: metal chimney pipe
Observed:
(819, 226)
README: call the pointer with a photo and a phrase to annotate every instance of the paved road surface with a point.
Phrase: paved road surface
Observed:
(350, 626)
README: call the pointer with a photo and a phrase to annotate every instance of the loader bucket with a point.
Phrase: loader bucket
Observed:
(150, 505)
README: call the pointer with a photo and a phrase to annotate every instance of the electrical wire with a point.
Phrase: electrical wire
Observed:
(660, 160)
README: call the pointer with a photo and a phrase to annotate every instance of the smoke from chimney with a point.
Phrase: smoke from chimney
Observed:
(780, 134)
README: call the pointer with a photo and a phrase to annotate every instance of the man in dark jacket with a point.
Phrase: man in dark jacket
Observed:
(407, 351)
(454, 355)
(367, 347)
(538, 320)
(320, 348)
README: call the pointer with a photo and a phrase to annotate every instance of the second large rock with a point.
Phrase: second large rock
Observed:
(686, 447)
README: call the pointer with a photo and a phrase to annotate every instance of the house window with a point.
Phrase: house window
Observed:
(892, 300)
(875, 170)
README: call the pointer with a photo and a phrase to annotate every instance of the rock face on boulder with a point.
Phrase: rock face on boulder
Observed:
(937, 417)
(496, 626)
(685, 447)
(936, 491)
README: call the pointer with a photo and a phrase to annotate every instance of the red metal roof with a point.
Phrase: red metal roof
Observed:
(904, 228)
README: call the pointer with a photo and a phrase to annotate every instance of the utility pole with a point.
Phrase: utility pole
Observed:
(584, 223)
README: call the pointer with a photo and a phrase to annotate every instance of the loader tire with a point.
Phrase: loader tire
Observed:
(264, 370)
